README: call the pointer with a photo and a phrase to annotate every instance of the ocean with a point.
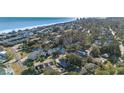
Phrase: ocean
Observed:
(8, 24)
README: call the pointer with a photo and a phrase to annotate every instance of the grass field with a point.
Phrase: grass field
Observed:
(10, 53)
(17, 68)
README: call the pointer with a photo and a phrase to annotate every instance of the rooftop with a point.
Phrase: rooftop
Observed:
(3, 52)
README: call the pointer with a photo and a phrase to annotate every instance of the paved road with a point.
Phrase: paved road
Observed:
(121, 45)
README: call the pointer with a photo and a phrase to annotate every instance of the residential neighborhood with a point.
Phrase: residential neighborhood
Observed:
(86, 46)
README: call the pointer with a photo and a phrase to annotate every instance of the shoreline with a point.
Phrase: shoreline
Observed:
(31, 27)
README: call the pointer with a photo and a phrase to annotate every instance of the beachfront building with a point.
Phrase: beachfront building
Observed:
(13, 41)
(13, 38)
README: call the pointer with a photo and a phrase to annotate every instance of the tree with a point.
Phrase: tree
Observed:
(95, 51)
(50, 71)
(71, 48)
(10, 54)
(30, 71)
(106, 69)
(1, 64)
(61, 41)
(55, 54)
(90, 67)
(29, 63)
(74, 60)
(40, 58)
(87, 40)
(73, 73)
(112, 49)
(101, 72)
(120, 70)
(55, 29)
(26, 47)
(89, 59)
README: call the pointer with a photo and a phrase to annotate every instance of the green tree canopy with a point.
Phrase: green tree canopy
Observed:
(50, 71)
(95, 51)
(74, 60)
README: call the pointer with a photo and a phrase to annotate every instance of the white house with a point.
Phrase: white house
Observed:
(3, 56)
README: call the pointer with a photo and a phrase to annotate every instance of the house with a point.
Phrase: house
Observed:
(26, 33)
(13, 40)
(88, 51)
(45, 64)
(105, 55)
(61, 50)
(63, 63)
(97, 42)
(3, 56)
(34, 55)
(46, 42)
(99, 60)
(81, 52)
